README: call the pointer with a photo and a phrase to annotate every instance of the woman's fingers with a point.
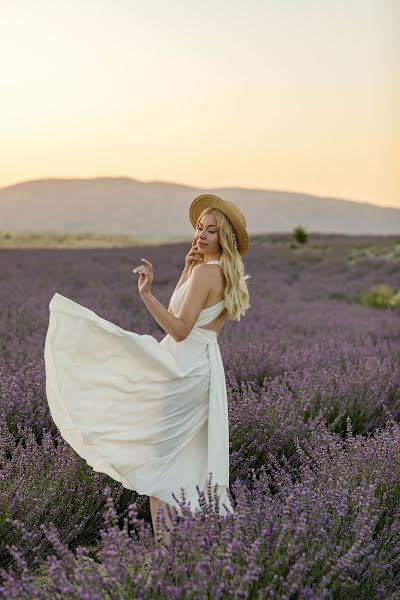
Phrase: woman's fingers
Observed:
(141, 268)
(148, 266)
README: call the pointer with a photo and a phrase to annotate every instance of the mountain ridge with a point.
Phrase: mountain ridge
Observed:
(124, 205)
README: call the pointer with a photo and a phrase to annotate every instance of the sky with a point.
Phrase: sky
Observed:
(290, 95)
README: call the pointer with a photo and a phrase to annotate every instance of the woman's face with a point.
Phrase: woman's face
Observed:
(207, 235)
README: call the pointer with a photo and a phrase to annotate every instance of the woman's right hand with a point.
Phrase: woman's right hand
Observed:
(193, 257)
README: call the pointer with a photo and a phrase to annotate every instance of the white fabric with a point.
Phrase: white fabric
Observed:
(151, 415)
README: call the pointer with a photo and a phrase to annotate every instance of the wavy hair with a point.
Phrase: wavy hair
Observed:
(236, 292)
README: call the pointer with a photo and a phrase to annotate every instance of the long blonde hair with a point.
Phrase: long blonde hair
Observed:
(236, 292)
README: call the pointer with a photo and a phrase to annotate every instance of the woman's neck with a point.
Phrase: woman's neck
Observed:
(208, 258)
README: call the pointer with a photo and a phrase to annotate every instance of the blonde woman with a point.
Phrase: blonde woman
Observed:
(153, 415)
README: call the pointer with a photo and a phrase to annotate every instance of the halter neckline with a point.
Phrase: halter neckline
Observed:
(215, 260)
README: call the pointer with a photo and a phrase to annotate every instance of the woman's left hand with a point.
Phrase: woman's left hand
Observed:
(146, 276)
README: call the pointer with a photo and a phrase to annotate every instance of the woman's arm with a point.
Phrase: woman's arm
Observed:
(165, 318)
(180, 327)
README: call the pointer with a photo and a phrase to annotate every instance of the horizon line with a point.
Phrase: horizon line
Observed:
(226, 187)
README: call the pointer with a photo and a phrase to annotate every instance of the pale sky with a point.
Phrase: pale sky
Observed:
(291, 95)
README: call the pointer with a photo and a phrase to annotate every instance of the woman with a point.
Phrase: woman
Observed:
(153, 415)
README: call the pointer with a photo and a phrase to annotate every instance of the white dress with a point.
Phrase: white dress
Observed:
(151, 415)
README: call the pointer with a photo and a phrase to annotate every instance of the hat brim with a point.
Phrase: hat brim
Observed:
(209, 200)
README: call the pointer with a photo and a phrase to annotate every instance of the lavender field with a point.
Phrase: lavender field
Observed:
(313, 380)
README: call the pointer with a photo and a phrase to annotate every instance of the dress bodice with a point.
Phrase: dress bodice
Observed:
(206, 314)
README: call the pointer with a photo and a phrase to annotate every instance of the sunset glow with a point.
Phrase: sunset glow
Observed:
(295, 96)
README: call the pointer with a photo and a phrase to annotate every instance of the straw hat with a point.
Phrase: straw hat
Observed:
(230, 210)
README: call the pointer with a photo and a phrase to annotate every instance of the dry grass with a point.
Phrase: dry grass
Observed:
(18, 239)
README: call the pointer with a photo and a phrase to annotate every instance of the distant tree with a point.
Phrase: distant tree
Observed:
(300, 235)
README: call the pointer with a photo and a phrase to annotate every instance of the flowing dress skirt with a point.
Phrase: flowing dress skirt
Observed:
(151, 415)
